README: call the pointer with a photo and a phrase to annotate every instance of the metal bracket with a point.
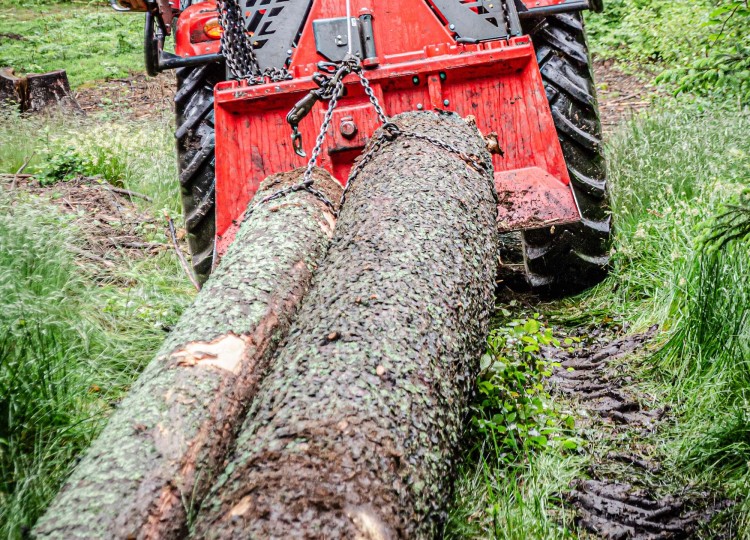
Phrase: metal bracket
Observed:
(274, 25)
(479, 20)
(567, 6)
(331, 38)
(158, 60)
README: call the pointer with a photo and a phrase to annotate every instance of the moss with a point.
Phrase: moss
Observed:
(361, 413)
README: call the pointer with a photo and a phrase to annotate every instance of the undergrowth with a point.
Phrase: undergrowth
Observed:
(71, 341)
(694, 46)
(88, 40)
(136, 155)
(707, 361)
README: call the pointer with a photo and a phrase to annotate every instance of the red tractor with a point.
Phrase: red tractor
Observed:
(254, 75)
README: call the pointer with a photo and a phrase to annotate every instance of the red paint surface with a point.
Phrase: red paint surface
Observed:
(190, 40)
(498, 83)
(542, 3)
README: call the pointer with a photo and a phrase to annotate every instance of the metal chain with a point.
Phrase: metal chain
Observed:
(238, 50)
(389, 132)
(307, 180)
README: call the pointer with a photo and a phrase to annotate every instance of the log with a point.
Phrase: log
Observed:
(162, 448)
(353, 432)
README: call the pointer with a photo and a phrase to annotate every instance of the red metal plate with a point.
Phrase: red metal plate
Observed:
(419, 67)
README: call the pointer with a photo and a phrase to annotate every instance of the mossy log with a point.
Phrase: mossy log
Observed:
(353, 432)
(168, 439)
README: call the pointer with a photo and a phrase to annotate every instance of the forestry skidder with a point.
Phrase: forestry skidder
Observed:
(267, 85)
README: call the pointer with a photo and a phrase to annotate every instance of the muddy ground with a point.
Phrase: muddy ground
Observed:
(627, 493)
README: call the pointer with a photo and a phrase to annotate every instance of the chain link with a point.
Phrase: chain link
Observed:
(242, 62)
(237, 48)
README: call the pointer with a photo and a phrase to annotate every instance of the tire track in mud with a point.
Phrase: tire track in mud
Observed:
(618, 500)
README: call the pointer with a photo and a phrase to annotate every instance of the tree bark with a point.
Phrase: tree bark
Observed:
(353, 432)
(45, 91)
(37, 91)
(163, 447)
(11, 88)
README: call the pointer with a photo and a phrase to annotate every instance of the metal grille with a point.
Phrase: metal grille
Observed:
(274, 26)
(479, 20)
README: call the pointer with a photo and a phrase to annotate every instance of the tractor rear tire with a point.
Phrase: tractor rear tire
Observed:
(194, 107)
(573, 257)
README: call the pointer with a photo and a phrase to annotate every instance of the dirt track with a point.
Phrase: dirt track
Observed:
(627, 494)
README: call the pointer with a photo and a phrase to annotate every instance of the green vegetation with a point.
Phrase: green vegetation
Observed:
(72, 339)
(673, 174)
(89, 41)
(694, 46)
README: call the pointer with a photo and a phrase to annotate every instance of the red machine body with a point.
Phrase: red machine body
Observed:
(190, 36)
(419, 66)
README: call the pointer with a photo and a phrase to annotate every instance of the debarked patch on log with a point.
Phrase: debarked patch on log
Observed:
(225, 353)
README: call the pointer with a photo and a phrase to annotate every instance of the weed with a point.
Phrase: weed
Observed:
(710, 60)
(514, 409)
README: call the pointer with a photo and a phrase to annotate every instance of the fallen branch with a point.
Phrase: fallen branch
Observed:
(19, 171)
(122, 191)
(89, 255)
(136, 245)
(185, 266)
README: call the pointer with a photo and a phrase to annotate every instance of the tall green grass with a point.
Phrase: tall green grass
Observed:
(73, 340)
(707, 360)
(671, 173)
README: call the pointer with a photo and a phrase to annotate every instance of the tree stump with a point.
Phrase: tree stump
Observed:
(37, 92)
(11, 88)
(353, 432)
(49, 91)
(163, 447)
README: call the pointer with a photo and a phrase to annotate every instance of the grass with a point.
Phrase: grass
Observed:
(71, 341)
(691, 46)
(89, 40)
(71, 344)
(672, 174)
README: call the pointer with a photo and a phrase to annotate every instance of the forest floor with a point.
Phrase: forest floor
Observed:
(657, 444)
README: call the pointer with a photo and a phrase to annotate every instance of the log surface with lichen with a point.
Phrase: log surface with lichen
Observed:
(168, 439)
(353, 432)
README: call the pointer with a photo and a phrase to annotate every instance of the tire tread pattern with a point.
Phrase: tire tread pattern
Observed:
(195, 138)
(573, 257)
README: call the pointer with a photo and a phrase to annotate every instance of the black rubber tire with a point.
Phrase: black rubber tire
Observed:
(194, 107)
(571, 258)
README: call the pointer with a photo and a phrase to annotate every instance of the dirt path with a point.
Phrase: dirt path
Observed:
(627, 492)
(621, 95)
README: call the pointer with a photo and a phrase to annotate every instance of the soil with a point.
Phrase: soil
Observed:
(628, 494)
(621, 95)
(141, 96)
(112, 227)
